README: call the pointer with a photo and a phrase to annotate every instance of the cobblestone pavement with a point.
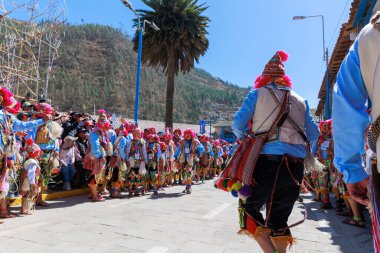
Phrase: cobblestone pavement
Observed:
(205, 221)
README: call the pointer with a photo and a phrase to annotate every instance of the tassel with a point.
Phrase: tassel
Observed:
(229, 184)
(234, 193)
(245, 191)
(236, 186)
(283, 55)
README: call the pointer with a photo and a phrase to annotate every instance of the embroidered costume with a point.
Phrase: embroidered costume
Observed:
(324, 151)
(95, 158)
(169, 157)
(203, 168)
(154, 153)
(217, 162)
(279, 167)
(137, 159)
(177, 137)
(29, 177)
(188, 152)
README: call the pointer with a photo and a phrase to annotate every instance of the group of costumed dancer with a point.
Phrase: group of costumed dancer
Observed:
(34, 145)
(140, 161)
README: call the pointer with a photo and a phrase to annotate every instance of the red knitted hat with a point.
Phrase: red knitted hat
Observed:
(274, 69)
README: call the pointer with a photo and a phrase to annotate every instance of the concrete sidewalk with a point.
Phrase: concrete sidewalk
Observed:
(205, 221)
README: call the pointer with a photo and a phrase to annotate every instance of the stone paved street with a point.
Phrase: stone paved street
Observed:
(205, 221)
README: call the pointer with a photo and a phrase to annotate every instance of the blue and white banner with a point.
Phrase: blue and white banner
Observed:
(202, 126)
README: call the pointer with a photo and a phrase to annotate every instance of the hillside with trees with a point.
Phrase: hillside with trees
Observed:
(97, 66)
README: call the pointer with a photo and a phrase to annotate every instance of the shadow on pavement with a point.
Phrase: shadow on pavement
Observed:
(348, 238)
(162, 195)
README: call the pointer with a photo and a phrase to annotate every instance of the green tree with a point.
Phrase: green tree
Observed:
(180, 41)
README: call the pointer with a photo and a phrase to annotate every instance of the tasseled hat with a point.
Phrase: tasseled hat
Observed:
(44, 108)
(274, 69)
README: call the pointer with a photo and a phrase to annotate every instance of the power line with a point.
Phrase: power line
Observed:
(340, 19)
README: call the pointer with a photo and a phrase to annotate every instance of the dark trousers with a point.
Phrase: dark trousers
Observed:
(286, 191)
(80, 177)
(115, 175)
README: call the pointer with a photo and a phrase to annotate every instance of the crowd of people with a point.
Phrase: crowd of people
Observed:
(45, 151)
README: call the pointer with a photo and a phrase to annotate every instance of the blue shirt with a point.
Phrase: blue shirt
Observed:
(140, 144)
(350, 118)
(122, 147)
(95, 143)
(322, 149)
(209, 148)
(240, 126)
(200, 149)
(18, 126)
(158, 154)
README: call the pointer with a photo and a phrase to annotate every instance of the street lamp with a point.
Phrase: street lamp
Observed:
(140, 31)
(325, 58)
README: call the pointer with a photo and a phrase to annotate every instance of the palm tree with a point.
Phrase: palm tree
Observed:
(180, 41)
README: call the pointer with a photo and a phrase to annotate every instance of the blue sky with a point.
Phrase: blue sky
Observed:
(244, 34)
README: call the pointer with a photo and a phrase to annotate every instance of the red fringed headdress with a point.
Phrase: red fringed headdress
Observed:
(104, 125)
(152, 130)
(10, 104)
(326, 122)
(177, 131)
(167, 135)
(163, 145)
(123, 132)
(189, 131)
(203, 138)
(137, 133)
(153, 138)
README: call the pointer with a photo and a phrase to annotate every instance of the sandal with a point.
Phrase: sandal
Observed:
(26, 212)
(98, 199)
(354, 222)
(7, 215)
(326, 206)
(104, 192)
(116, 195)
(42, 203)
(346, 212)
